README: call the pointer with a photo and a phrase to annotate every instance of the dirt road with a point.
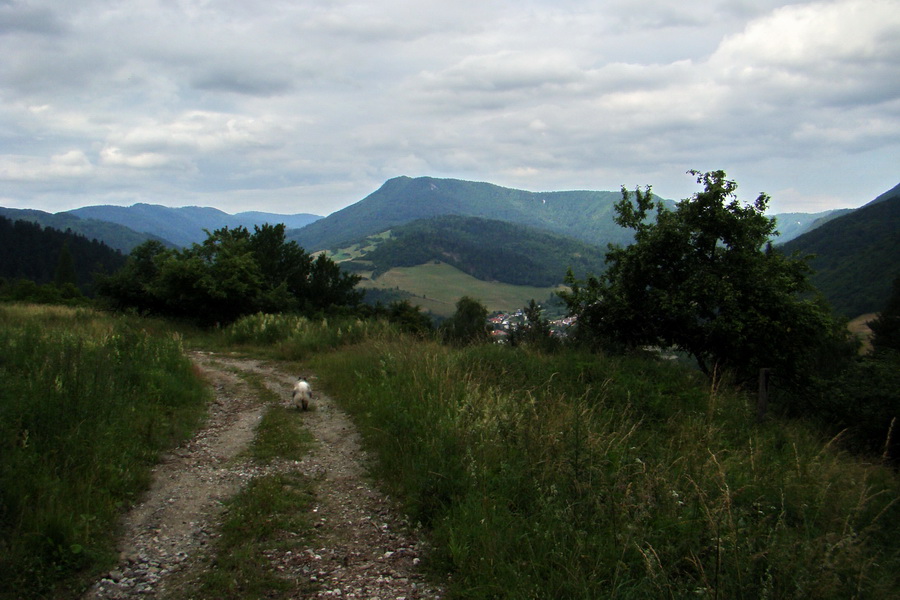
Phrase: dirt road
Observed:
(362, 548)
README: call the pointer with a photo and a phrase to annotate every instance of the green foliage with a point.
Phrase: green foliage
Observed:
(571, 475)
(25, 290)
(293, 337)
(861, 404)
(407, 317)
(703, 278)
(468, 325)
(535, 331)
(44, 256)
(231, 274)
(886, 327)
(489, 250)
(86, 403)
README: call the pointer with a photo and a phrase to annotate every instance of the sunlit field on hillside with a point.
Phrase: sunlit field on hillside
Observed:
(437, 286)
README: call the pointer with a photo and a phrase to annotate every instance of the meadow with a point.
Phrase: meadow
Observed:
(577, 476)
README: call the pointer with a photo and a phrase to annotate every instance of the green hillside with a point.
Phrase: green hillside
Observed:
(583, 215)
(856, 255)
(487, 249)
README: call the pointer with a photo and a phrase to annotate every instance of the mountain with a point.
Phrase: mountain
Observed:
(113, 235)
(583, 215)
(487, 249)
(184, 226)
(857, 255)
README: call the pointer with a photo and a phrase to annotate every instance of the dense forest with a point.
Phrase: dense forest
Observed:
(45, 255)
(487, 249)
(112, 234)
(855, 258)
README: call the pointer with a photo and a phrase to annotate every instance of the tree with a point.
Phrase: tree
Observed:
(65, 268)
(231, 274)
(704, 278)
(886, 327)
(468, 325)
(535, 331)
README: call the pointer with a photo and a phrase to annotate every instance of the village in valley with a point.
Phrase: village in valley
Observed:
(501, 323)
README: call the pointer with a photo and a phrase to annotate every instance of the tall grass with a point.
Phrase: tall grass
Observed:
(293, 337)
(86, 404)
(575, 476)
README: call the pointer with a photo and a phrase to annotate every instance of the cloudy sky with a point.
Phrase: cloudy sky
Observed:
(295, 106)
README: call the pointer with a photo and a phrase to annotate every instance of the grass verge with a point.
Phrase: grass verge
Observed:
(87, 402)
(578, 476)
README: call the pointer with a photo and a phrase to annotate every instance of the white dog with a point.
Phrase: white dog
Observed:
(302, 394)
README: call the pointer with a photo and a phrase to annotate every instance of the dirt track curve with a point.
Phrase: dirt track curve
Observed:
(362, 548)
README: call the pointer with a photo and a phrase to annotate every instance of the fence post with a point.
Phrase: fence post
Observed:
(762, 400)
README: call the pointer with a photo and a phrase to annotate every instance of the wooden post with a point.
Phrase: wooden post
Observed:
(762, 400)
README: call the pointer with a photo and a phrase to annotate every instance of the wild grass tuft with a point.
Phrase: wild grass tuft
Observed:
(293, 337)
(265, 516)
(577, 476)
(86, 404)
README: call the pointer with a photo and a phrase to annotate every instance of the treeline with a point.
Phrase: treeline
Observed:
(43, 255)
(231, 274)
(487, 249)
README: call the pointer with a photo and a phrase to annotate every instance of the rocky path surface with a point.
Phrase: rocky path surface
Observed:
(362, 548)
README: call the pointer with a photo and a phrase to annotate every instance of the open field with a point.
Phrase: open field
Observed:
(860, 328)
(437, 286)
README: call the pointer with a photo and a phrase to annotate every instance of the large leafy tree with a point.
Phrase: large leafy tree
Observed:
(704, 278)
(468, 325)
(232, 273)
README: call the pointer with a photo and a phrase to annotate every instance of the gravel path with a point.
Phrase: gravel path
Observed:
(363, 549)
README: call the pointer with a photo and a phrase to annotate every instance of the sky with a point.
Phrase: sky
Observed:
(308, 106)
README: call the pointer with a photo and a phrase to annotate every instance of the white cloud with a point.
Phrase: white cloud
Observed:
(68, 165)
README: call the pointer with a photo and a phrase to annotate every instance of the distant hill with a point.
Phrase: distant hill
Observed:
(113, 235)
(487, 249)
(30, 251)
(184, 226)
(857, 255)
(583, 215)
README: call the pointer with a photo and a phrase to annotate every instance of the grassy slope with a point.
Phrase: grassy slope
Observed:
(442, 285)
(577, 476)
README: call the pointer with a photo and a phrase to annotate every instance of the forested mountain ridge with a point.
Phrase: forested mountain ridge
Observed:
(487, 249)
(185, 226)
(583, 215)
(856, 256)
(30, 251)
(113, 235)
